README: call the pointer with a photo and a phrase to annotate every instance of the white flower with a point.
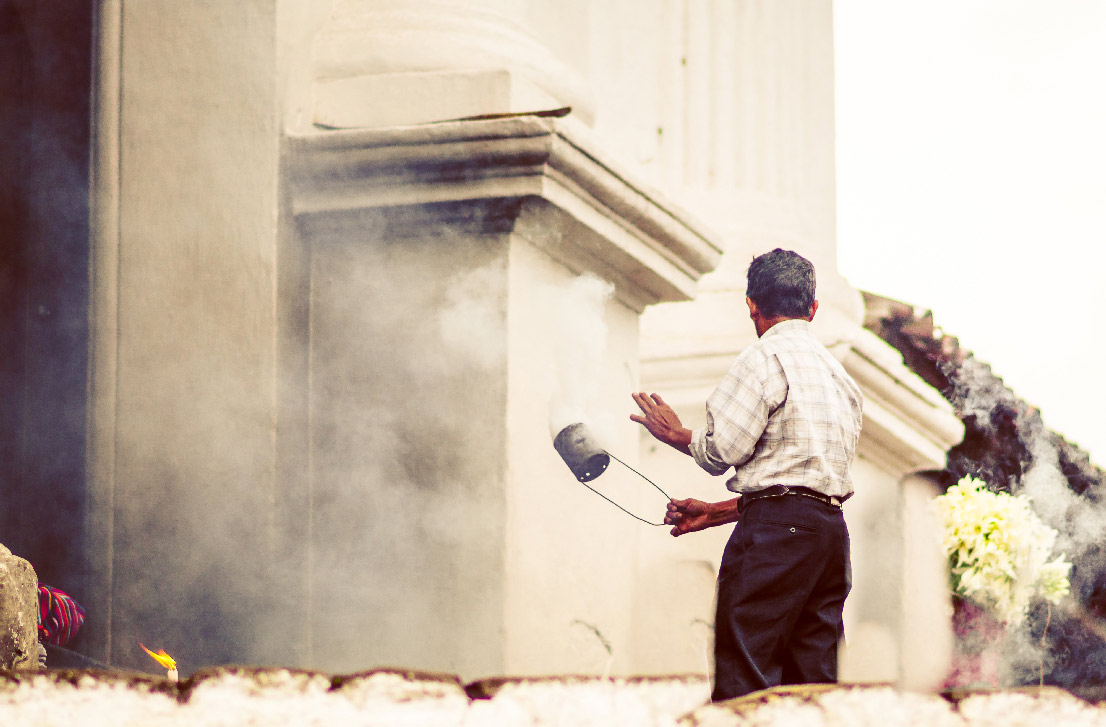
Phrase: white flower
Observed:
(998, 550)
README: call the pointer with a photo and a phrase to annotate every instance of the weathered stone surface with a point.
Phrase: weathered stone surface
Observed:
(815, 705)
(18, 612)
(241, 696)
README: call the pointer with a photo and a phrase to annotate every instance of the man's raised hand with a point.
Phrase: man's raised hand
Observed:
(661, 421)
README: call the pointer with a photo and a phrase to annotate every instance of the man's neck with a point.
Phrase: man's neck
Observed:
(763, 325)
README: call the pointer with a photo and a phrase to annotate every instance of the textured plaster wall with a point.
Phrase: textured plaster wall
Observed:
(189, 284)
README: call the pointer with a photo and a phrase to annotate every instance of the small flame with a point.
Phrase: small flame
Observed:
(161, 657)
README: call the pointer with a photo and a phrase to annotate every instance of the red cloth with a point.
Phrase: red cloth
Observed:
(60, 616)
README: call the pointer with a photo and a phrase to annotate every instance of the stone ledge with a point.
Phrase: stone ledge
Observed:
(230, 696)
(908, 425)
(401, 173)
(818, 705)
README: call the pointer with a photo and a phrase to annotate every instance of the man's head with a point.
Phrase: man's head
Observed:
(780, 286)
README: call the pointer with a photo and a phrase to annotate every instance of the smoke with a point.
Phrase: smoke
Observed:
(1007, 445)
(1079, 521)
(1024, 658)
(408, 392)
(471, 322)
(977, 391)
(45, 77)
(995, 423)
(579, 336)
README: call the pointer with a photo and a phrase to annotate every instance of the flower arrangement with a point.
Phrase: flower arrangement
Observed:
(998, 550)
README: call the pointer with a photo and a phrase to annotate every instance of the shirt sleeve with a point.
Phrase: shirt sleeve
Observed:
(737, 414)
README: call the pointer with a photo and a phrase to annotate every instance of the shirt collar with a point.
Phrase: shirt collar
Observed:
(791, 325)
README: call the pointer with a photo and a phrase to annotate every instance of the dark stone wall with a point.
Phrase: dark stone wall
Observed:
(45, 87)
(1003, 436)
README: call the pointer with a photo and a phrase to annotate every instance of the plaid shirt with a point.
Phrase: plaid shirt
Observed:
(785, 414)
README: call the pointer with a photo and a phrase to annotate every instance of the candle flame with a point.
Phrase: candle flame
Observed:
(160, 657)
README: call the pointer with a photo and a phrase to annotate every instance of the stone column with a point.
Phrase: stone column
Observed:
(18, 613)
(746, 141)
(433, 60)
(183, 511)
(927, 643)
(442, 263)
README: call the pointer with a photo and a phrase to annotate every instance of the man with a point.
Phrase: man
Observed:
(786, 417)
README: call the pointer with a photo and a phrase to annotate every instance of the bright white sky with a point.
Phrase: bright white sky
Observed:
(971, 157)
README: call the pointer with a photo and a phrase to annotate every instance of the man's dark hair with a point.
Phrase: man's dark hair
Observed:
(781, 283)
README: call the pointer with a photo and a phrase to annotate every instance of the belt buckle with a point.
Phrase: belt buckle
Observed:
(831, 500)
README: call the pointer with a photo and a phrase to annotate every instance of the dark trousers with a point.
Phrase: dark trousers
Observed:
(784, 578)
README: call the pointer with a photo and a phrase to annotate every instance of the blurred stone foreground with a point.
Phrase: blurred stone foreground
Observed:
(231, 696)
(18, 612)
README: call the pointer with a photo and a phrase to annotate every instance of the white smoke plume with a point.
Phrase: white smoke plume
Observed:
(977, 391)
(471, 324)
(1079, 522)
(579, 337)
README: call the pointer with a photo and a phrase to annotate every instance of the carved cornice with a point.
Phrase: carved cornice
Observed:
(407, 173)
(908, 425)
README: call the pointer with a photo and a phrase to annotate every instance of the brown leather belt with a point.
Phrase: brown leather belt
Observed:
(749, 498)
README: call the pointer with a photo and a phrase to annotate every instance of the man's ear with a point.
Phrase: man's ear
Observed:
(813, 310)
(752, 307)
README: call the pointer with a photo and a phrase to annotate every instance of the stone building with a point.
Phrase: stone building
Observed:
(287, 289)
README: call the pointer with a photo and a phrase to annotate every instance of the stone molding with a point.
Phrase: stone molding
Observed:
(483, 171)
(908, 425)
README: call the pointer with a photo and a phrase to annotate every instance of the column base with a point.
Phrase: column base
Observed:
(406, 99)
